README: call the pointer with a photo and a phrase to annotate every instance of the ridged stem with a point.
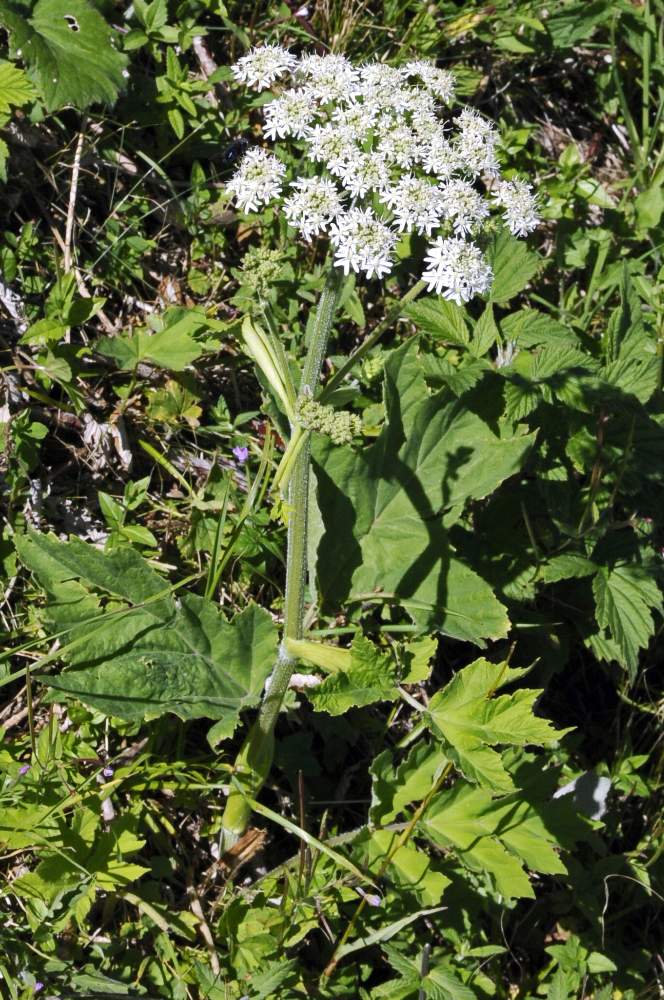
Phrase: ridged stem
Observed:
(255, 758)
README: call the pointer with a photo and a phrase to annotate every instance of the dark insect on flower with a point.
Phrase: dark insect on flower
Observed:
(235, 149)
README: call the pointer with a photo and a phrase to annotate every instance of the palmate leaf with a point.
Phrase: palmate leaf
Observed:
(68, 49)
(471, 720)
(147, 654)
(384, 508)
(493, 836)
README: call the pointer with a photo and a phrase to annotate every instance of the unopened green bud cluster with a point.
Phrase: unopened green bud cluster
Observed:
(261, 267)
(339, 425)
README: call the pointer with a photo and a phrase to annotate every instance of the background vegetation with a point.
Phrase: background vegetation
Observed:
(127, 403)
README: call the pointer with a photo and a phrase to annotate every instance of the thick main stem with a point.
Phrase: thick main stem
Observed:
(255, 758)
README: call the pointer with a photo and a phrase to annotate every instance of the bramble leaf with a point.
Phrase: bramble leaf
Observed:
(15, 88)
(69, 51)
(513, 266)
(625, 596)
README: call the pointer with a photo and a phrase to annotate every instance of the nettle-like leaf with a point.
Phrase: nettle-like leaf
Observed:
(69, 50)
(15, 88)
(472, 721)
(370, 677)
(386, 509)
(145, 653)
(513, 266)
(625, 597)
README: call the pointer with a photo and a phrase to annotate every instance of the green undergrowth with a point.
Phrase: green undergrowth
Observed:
(466, 795)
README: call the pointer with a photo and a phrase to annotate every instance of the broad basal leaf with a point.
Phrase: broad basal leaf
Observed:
(625, 596)
(69, 50)
(472, 720)
(370, 678)
(146, 653)
(383, 508)
(173, 347)
(197, 665)
(123, 573)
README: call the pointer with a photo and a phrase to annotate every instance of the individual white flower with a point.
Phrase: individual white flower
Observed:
(397, 143)
(332, 145)
(476, 143)
(313, 206)
(362, 242)
(416, 204)
(257, 180)
(329, 78)
(364, 172)
(457, 269)
(463, 205)
(439, 157)
(520, 206)
(290, 114)
(439, 82)
(263, 65)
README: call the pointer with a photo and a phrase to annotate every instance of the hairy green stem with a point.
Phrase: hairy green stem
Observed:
(255, 758)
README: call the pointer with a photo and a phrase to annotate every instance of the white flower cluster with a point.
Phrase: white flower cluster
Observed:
(377, 159)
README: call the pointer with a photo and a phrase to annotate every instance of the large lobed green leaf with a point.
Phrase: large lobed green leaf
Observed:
(147, 653)
(69, 50)
(385, 509)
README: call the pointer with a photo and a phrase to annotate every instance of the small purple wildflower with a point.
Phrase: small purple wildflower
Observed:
(108, 772)
(38, 986)
(241, 453)
(24, 768)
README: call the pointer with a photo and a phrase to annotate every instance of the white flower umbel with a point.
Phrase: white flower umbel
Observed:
(290, 114)
(332, 145)
(456, 269)
(463, 205)
(329, 79)
(440, 82)
(476, 143)
(440, 157)
(257, 180)
(313, 206)
(397, 144)
(520, 206)
(362, 243)
(374, 153)
(263, 65)
(416, 204)
(364, 172)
